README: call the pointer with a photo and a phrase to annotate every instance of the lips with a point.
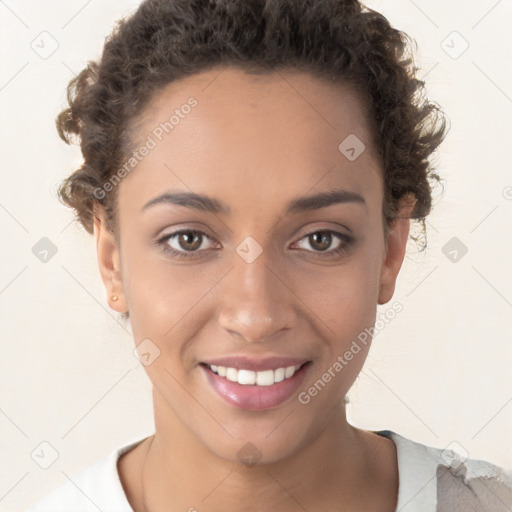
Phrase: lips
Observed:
(255, 384)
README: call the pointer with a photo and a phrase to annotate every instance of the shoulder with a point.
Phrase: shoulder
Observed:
(445, 480)
(97, 487)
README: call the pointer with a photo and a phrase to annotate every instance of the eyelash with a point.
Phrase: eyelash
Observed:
(345, 239)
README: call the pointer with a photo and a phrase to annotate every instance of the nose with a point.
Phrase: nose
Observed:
(256, 302)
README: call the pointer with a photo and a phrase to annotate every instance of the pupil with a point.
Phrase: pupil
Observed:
(186, 236)
(325, 237)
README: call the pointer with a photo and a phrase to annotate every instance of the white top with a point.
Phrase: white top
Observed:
(430, 480)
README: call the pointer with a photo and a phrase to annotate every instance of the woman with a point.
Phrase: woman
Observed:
(251, 170)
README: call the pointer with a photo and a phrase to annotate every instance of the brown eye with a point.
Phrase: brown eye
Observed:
(186, 243)
(321, 240)
(189, 240)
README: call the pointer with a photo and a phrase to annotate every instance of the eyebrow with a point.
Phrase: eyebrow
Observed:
(205, 203)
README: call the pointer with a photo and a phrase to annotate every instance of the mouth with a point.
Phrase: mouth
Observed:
(252, 378)
(256, 386)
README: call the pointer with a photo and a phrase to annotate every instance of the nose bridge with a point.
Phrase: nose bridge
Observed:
(254, 302)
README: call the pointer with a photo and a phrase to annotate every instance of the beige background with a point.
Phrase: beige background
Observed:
(439, 373)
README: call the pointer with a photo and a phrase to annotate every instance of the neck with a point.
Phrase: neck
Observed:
(181, 473)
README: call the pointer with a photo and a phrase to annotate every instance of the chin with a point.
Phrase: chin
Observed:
(267, 439)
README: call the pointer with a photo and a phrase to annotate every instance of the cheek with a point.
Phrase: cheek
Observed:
(344, 297)
(343, 305)
(162, 297)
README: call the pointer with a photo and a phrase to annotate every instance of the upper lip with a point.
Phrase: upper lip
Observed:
(256, 365)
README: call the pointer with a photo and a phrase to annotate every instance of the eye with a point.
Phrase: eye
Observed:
(190, 243)
(321, 240)
(179, 243)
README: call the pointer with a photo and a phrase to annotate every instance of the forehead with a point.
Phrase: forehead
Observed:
(284, 131)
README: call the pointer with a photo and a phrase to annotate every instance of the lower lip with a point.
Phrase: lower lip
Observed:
(256, 398)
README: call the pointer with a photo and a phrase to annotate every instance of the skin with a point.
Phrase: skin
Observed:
(255, 143)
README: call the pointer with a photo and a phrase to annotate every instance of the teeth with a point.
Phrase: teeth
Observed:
(279, 374)
(265, 378)
(248, 377)
(288, 372)
(232, 374)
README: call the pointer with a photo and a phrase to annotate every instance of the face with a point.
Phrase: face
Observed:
(259, 276)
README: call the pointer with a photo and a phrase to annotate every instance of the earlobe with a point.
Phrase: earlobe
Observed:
(109, 263)
(395, 249)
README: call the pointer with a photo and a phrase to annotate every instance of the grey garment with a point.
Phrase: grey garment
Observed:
(433, 479)
(459, 492)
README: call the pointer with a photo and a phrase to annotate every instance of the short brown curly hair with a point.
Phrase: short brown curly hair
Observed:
(335, 40)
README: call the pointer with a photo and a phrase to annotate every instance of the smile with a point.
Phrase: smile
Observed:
(255, 389)
(252, 378)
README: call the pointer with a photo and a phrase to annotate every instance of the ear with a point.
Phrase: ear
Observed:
(396, 242)
(109, 262)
